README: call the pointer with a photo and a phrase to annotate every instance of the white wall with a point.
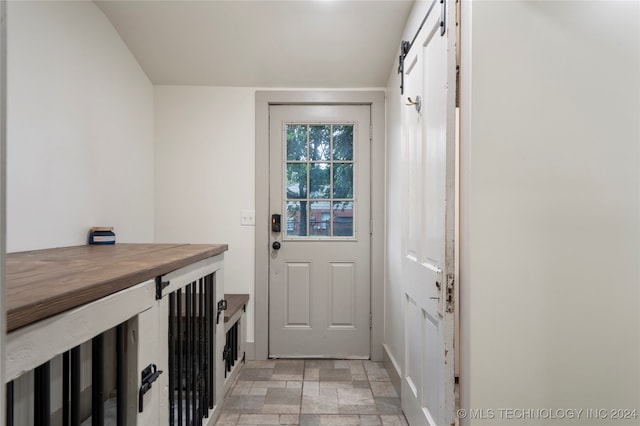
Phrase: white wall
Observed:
(393, 303)
(550, 207)
(80, 129)
(205, 144)
(3, 187)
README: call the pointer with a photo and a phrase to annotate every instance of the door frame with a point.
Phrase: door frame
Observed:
(3, 188)
(264, 99)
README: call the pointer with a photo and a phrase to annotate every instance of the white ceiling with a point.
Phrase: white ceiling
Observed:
(267, 43)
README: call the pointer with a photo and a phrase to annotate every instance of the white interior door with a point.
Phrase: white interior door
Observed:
(428, 226)
(319, 272)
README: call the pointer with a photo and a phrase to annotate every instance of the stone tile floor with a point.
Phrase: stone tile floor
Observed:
(312, 393)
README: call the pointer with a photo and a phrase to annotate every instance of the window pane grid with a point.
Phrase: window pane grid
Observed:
(319, 183)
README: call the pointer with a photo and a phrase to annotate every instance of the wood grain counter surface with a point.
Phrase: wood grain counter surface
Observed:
(43, 283)
(235, 302)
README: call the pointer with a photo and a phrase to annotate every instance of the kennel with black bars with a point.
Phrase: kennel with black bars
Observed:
(148, 354)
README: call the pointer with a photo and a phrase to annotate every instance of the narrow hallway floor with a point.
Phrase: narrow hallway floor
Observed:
(312, 393)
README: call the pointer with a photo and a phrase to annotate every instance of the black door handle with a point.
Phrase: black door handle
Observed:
(276, 245)
(222, 306)
(149, 375)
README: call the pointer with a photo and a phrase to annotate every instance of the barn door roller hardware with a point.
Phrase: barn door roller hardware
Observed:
(405, 46)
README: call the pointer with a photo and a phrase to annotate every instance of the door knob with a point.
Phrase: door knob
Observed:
(276, 245)
(417, 103)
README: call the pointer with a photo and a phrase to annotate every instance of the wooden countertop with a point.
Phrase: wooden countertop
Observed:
(43, 283)
(234, 303)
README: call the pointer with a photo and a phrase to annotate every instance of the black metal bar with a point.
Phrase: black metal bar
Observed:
(172, 348)
(97, 383)
(202, 405)
(405, 46)
(443, 18)
(46, 394)
(205, 348)
(232, 342)
(205, 372)
(75, 387)
(234, 337)
(212, 340)
(232, 355)
(424, 20)
(227, 354)
(42, 395)
(237, 346)
(66, 388)
(194, 350)
(37, 397)
(10, 404)
(208, 342)
(197, 360)
(179, 353)
(121, 375)
(188, 371)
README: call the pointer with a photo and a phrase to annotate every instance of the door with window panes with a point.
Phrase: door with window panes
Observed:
(319, 275)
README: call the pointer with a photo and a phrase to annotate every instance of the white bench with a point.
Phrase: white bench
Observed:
(235, 328)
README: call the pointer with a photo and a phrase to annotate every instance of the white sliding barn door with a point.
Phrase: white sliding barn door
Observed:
(428, 223)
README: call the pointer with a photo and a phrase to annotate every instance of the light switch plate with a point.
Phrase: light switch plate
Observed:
(248, 218)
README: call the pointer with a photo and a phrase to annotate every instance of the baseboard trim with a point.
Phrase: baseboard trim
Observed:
(250, 351)
(394, 371)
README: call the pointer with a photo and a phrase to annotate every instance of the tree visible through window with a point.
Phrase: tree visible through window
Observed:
(319, 180)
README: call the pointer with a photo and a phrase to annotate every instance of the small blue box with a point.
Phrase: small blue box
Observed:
(102, 235)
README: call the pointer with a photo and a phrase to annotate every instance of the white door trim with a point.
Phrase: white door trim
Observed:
(376, 99)
(3, 187)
